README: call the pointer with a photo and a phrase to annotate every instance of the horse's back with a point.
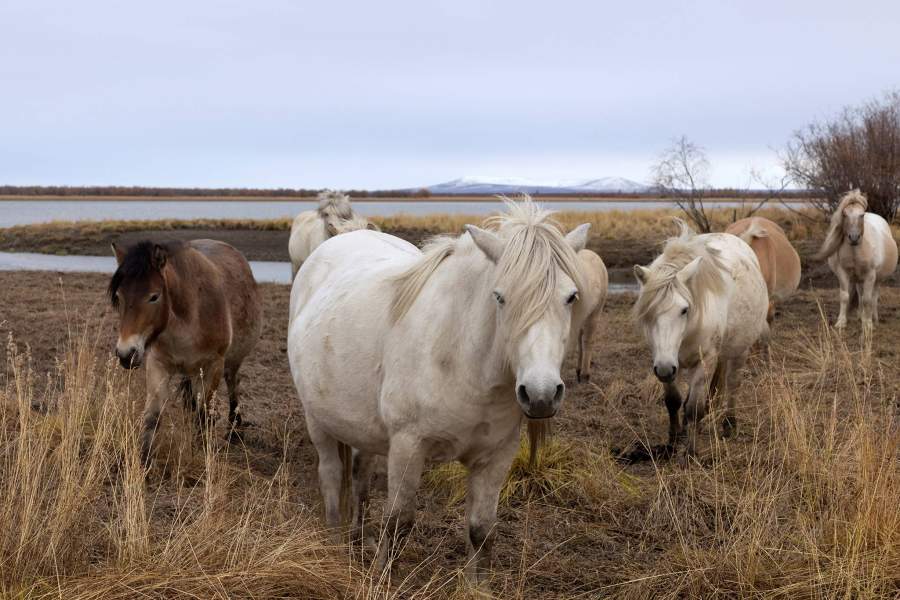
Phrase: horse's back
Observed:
(777, 257)
(884, 249)
(234, 280)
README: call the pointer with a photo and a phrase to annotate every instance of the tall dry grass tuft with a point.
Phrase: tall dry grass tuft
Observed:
(808, 509)
(81, 519)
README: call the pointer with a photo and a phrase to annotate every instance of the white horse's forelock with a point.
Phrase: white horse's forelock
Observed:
(334, 205)
(662, 281)
(534, 252)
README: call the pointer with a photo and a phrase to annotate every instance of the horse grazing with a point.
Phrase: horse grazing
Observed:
(702, 305)
(310, 228)
(593, 300)
(861, 251)
(778, 260)
(190, 310)
(435, 355)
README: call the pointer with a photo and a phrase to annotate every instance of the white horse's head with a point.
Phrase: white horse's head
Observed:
(847, 221)
(672, 303)
(537, 285)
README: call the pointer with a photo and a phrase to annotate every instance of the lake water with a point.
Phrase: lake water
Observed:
(263, 271)
(23, 212)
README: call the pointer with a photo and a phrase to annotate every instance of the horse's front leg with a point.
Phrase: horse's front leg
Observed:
(157, 388)
(209, 381)
(844, 282)
(672, 398)
(406, 459)
(867, 301)
(485, 482)
(697, 404)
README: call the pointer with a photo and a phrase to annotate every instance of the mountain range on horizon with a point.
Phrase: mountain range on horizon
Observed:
(518, 185)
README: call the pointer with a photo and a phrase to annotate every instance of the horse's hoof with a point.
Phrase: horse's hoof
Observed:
(729, 427)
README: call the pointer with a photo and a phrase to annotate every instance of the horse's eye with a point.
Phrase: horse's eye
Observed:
(571, 299)
(684, 311)
(499, 298)
(153, 298)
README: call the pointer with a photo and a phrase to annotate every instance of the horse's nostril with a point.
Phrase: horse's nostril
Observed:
(560, 390)
(523, 395)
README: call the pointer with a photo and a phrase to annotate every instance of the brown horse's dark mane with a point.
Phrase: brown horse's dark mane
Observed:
(137, 264)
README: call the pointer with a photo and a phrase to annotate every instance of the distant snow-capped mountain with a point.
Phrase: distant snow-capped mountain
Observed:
(515, 185)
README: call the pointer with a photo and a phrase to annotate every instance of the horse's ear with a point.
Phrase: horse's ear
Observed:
(488, 242)
(578, 237)
(118, 252)
(372, 227)
(160, 255)
(641, 274)
(689, 270)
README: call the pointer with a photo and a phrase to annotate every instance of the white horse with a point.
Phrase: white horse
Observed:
(594, 298)
(310, 228)
(433, 356)
(702, 305)
(861, 251)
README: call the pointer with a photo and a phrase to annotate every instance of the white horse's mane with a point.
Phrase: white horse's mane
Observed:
(834, 238)
(526, 272)
(661, 283)
(334, 205)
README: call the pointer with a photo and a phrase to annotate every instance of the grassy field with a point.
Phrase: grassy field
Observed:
(801, 504)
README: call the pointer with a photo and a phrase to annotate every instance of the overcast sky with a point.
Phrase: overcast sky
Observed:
(395, 94)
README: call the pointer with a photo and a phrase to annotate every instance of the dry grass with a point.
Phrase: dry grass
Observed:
(618, 224)
(804, 506)
(80, 521)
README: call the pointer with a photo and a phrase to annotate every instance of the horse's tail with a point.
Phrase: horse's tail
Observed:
(538, 432)
(346, 454)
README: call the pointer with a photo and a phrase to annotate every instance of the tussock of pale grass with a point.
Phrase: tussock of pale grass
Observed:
(81, 520)
(564, 472)
(808, 509)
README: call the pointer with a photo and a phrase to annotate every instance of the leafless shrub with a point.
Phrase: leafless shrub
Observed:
(681, 174)
(859, 148)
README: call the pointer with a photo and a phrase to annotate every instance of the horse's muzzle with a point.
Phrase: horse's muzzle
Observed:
(130, 359)
(540, 403)
(665, 373)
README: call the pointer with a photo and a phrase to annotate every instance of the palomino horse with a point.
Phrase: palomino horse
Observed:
(190, 310)
(862, 252)
(593, 299)
(310, 228)
(702, 305)
(438, 355)
(778, 261)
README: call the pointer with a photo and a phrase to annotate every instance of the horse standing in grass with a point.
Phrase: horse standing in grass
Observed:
(702, 305)
(593, 300)
(310, 228)
(778, 260)
(861, 252)
(438, 355)
(189, 310)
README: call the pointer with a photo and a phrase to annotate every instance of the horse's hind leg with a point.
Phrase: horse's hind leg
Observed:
(209, 382)
(363, 465)
(330, 473)
(729, 386)
(586, 348)
(186, 389)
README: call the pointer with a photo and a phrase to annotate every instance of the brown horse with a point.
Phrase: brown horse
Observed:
(778, 261)
(190, 310)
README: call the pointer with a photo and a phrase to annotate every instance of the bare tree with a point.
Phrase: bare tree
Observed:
(860, 148)
(682, 174)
